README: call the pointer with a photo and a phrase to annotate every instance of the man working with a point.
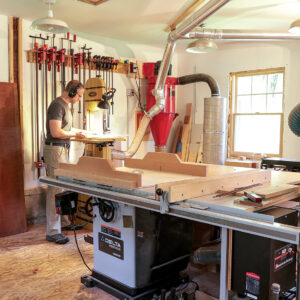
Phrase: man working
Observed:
(56, 150)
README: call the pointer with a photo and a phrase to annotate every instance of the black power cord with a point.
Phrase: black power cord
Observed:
(72, 223)
(106, 211)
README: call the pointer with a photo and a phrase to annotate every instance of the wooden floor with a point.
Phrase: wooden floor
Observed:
(33, 269)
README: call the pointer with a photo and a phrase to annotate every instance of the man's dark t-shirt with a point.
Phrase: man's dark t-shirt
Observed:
(58, 110)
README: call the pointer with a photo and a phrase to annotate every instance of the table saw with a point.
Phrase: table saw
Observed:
(162, 184)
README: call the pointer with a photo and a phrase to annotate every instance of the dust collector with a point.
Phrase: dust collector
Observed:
(215, 113)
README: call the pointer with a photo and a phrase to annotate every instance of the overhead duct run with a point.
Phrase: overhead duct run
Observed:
(216, 34)
(194, 20)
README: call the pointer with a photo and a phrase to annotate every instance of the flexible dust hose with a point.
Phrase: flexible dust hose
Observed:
(135, 143)
(294, 120)
(200, 77)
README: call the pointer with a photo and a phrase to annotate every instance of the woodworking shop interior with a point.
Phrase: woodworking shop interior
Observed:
(149, 149)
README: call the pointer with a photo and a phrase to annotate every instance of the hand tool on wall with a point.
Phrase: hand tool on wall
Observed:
(97, 64)
(53, 62)
(51, 58)
(85, 61)
(38, 163)
(63, 70)
(44, 89)
(89, 62)
(84, 79)
(60, 63)
(71, 52)
(102, 66)
(78, 64)
(112, 64)
(40, 57)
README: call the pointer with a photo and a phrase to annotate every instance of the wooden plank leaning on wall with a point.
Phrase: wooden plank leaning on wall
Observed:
(12, 202)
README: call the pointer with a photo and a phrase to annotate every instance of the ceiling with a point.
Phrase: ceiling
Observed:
(144, 21)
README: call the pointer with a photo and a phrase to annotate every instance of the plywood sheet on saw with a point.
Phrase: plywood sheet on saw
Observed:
(99, 170)
(210, 185)
(150, 178)
(166, 162)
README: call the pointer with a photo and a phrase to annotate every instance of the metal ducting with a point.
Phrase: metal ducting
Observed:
(294, 120)
(215, 130)
(188, 30)
(216, 34)
(194, 20)
(215, 116)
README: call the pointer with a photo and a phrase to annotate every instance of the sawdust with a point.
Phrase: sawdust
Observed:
(33, 269)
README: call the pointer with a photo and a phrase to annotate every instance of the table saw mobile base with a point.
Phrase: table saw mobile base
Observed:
(217, 215)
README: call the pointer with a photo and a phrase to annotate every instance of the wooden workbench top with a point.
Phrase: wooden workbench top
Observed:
(97, 140)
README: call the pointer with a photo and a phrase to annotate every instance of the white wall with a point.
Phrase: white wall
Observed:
(121, 83)
(234, 57)
(4, 60)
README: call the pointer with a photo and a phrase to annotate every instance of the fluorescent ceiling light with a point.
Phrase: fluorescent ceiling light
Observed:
(202, 46)
(50, 24)
(295, 27)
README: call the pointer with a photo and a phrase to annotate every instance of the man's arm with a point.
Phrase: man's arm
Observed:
(58, 133)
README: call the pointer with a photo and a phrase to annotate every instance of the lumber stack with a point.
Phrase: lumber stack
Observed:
(271, 195)
(188, 141)
(186, 132)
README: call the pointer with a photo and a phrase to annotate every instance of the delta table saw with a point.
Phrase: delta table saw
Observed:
(161, 183)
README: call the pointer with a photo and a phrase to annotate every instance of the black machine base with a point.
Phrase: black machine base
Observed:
(145, 293)
(90, 281)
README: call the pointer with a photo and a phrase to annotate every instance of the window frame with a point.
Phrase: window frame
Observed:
(233, 108)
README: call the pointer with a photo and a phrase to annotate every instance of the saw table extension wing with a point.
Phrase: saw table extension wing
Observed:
(165, 171)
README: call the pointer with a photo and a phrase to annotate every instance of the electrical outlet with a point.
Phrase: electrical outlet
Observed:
(133, 67)
(130, 92)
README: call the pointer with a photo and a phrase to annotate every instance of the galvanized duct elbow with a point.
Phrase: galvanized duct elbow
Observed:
(294, 120)
(197, 18)
(200, 77)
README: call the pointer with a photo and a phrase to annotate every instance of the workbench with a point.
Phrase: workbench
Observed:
(99, 146)
(223, 212)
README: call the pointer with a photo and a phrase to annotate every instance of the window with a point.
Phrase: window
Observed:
(256, 112)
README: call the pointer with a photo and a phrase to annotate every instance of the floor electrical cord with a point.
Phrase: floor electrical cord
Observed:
(72, 222)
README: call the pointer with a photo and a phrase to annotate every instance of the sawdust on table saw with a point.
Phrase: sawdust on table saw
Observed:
(33, 269)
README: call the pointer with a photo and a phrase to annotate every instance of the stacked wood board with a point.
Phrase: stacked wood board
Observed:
(271, 194)
(190, 138)
(186, 132)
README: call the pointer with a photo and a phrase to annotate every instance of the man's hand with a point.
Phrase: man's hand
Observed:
(80, 135)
